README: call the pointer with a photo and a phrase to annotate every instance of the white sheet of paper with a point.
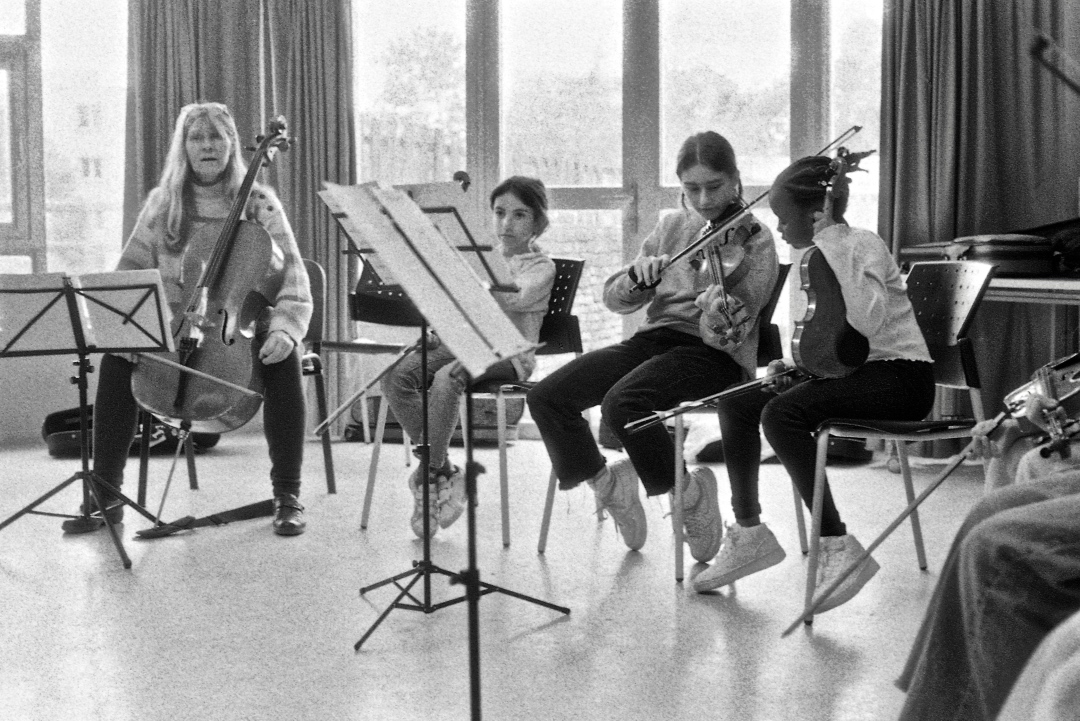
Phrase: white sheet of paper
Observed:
(435, 276)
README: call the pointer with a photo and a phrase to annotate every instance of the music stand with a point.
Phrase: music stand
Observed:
(53, 314)
(454, 301)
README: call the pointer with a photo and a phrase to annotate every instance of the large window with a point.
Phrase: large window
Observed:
(595, 99)
(726, 66)
(84, 91)
(409, 64)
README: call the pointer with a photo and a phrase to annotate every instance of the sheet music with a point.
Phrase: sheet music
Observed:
(436, 277)
(459, 217)
(335, 197)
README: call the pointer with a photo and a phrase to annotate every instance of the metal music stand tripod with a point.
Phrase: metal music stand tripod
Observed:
(53, 314)
(448, 295)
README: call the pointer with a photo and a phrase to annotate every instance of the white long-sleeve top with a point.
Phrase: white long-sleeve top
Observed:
(534, 275)
(874, 292)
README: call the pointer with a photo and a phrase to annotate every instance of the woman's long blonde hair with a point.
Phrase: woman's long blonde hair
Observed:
(166, 201)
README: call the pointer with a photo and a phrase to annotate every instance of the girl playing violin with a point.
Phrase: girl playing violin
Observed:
(695, 340)
(896, 382)
(519, 216)
(202, 175)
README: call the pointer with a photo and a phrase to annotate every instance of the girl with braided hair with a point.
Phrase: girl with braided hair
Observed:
(896, 382)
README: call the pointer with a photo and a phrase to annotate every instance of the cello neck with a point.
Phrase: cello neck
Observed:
(276, 137)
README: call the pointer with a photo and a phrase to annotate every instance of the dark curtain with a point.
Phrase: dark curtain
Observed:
(977, 138)
(262, 58)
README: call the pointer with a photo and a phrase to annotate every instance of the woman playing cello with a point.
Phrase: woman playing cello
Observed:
(199, 184)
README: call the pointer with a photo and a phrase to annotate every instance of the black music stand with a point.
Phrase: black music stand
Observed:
(53, 314)
(448, 295)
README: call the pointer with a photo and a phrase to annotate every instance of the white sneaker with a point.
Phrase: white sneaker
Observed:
(417, 521)
(617, 490)
(451, 496)
(701, 521)
(836, 554)
(745, 551)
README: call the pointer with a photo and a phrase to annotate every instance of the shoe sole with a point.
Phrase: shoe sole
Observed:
(842, 595)
(290, 531)
(711, 497)
(758, 564)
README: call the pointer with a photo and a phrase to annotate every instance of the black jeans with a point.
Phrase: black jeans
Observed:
(284, 420)
(652, 371)
(898, 390)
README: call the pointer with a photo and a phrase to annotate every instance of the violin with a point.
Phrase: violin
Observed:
(723, 255)
(1059, 381)
(825, 345)
(238, 266)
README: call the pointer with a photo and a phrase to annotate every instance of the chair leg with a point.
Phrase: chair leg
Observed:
(676, 498)
(189, 451)
(545, 523)
(328, 458)
(365, 418)
(146, 422)
(504, 491)
(800, 520)
(909, 489)
(373, 467)
(815, 525)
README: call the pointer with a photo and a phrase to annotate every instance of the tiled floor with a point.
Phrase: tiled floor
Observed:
(234, 622)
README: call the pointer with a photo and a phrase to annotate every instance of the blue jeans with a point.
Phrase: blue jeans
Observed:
(898, 390)
(652, 371)
(1011, 576)
(402, 389)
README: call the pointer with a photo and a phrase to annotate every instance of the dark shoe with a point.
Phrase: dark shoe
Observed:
(288, 515)
(84, 523)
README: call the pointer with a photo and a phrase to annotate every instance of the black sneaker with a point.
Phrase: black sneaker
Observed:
(84, 523)
(288, 515)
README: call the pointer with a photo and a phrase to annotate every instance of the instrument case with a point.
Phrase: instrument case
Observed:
(1014, 254)
(61, 434)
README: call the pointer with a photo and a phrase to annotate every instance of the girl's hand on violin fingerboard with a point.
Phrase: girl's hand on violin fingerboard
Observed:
(277, 347)
(647, 269)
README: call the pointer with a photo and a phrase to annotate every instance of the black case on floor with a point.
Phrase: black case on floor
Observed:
(61, 434)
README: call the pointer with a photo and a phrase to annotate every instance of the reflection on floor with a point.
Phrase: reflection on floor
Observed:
(233, 622)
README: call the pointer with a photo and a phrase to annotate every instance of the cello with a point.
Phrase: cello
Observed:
(238, 266)
(825, 345)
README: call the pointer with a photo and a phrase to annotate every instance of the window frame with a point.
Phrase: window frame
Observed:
(20, 55)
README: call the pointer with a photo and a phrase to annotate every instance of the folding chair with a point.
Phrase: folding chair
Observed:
(945, 296)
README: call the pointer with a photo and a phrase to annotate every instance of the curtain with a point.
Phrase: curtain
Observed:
(262, 58)
(977, 138)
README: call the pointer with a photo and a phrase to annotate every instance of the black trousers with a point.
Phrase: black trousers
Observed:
(284, 419)
(652, 371)
(898, 390)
